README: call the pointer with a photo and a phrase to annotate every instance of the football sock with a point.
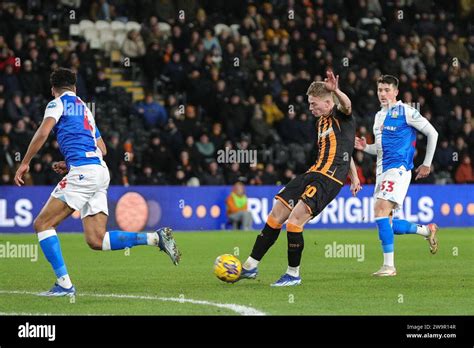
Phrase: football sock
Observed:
(295, 244)
(49, 243)
(422, 230)
(388, 259)
(405, 227)
(293, 271)
(117, 240)
(251, 263)
(266, 238)
(386, 237)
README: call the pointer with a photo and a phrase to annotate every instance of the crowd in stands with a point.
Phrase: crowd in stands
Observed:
(244, 88)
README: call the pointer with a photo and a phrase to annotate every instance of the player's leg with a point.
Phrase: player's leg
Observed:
(98, 238)
(299, 216)
(267, 237)
(94, 220)
(427, 231)
(383, 209)
(52, 214)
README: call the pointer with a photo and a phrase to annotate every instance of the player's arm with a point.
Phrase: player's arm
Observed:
(361, 144)
(101, 146)
(421, 124)
(355, 182)
(332, 84)
(36, 144)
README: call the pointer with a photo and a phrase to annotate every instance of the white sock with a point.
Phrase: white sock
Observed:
(106, 242)
(65, 281)
(293, 271)
(388, 259)
(152, 238)
(422, 230)
(251, 263)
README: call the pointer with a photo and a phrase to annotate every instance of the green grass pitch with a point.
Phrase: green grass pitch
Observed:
(426, 284)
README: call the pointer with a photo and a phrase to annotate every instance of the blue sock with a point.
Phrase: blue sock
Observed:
(116, 240)
(385, 233)
(403, 227)
(49, 243)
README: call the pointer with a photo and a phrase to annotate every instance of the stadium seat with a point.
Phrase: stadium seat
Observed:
(120, 38)
(235, 28)
(107, 34)
(219, 28)
(95, 44)
(132, 26)
(86, 24)
(101, 25)
(117, 26)
(165, 28)
(108, 46)
(91, 34)
(74, 30)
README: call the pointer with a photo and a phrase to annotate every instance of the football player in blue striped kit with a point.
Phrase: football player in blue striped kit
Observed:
(84, 188)
(395, 130)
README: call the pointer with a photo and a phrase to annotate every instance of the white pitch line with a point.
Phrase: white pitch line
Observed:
(239, 309)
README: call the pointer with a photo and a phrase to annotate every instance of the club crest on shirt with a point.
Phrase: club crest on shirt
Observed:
(394, 114)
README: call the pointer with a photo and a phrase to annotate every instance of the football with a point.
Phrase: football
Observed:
(227, 268)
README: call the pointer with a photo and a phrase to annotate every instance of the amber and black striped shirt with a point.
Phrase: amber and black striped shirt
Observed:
(336, 134)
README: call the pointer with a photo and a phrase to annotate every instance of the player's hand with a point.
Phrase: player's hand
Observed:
(331, 82)
(360, 143)
(60, 167)
(355, 186)
(422, 172)
(22, 170)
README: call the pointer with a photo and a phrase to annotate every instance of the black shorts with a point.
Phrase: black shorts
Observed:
(314, 189)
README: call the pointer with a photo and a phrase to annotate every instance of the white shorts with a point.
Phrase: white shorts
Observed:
(392, 185)
(84, 189)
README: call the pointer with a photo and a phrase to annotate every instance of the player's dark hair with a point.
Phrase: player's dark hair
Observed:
(62, 78)
(389, 80)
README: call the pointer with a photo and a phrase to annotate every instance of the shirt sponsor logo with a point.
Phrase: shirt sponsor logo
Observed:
(326, 132)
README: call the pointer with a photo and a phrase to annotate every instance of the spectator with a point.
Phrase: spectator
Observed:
(464, 173)
(269, 177)
(213, 176)
(147, 177)
(113, 158)
(10, 81)
(101, 88)
(237, 117)
(234, 174)
(133, 46)
(159, 157)
(205, 147)
(444, 156)
(153, 113)
(37, 174)
(271, 112)
(30, 81)
(237, 209)
(15, 108)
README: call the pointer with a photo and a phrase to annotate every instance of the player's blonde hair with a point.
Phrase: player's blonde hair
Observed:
(318, 89)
